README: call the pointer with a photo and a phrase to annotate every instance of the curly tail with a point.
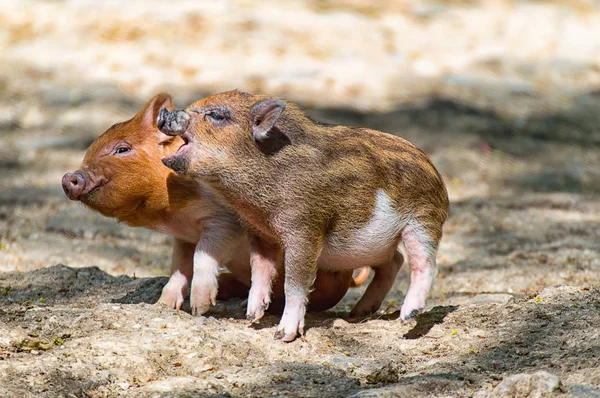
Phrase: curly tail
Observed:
(361, 277)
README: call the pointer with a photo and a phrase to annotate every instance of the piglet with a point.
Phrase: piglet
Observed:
(122, 177)
(327, 197)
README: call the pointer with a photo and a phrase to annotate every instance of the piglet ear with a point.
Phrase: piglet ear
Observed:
(152, 109)
(264, 116)
(151, 112)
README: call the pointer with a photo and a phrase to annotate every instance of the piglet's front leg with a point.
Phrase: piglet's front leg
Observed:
(264, 259)
(205, 283)
(300, 274)
(213, 250)
(182, 269)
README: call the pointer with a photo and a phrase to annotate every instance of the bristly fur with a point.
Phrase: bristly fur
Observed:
(320, 191)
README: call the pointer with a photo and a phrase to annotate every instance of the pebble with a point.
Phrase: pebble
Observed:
(539, 384)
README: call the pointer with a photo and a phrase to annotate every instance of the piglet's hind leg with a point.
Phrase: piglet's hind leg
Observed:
(420, 249)
(382, 282)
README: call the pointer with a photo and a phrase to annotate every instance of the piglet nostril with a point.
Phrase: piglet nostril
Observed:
(173, 123)
(162, 118)
(73, 184)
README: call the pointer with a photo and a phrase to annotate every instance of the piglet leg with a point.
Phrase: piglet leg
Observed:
(420, 249)
(182, 269)
(382, 282)
(213, 249)
(264, 259)
(300, 273)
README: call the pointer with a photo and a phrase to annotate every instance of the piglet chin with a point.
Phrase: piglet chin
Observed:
(178, 162)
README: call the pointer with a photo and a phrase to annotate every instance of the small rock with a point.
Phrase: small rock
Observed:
(387, 374)
(340, 323)
(536, 385)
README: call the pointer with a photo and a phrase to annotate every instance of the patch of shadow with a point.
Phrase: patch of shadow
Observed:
(148, 291)
(58, 283)
(74, 137)
(573, 126)
(269, 321)
(427, 320)
(554, 180)
(28, 195)
(436, 384)
(313, 319)
(314, 380)
(388, 316)
(68, 384)
(9, 163)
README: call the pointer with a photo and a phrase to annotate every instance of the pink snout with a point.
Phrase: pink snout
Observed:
(74, 184)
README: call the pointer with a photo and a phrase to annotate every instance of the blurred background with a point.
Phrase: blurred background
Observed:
(502, 95)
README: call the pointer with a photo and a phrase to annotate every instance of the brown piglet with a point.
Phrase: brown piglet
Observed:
(122, 177)
(327, 197)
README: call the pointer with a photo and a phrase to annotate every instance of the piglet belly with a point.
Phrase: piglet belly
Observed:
(371, 244)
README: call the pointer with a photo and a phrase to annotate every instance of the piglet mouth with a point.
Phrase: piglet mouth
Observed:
(186, 141)
(187, 138)
(179, 161)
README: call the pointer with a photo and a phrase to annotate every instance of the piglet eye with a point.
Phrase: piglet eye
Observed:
(215, 116)
(122, 149)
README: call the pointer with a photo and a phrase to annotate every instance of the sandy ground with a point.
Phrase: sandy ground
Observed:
(503, 96)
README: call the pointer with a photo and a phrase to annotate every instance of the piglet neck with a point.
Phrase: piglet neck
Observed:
(249, 194)
(160, 206)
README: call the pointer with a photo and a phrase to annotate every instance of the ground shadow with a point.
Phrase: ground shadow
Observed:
(148, 291)
(536, 335)
(429, 319)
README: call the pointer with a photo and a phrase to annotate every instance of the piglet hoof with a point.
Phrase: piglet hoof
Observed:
(285, 337)
(172, 123)
(292, 321)
(407, 317)
(201, 297)
(174, 292)
(256, 312)
(288, 336)
(200, 307)
(258, 302)
(171, 299)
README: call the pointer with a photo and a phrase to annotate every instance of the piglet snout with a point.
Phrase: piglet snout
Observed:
(74, 184)
(172, 123)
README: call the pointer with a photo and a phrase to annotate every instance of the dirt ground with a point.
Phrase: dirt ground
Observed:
(507, 110)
